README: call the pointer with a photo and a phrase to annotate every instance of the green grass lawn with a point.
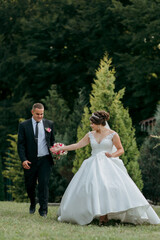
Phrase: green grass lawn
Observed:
(17, 224)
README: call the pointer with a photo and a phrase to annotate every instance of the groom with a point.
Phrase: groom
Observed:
(35, 137)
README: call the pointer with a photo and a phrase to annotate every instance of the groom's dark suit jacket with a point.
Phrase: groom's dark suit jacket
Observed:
(27, 147)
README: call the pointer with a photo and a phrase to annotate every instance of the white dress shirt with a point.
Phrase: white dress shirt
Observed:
(42, 144)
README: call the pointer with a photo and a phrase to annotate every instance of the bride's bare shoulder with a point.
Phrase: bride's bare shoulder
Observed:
(111, 131)
(92, 132)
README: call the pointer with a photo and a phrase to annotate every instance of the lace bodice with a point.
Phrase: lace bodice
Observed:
(105, 145)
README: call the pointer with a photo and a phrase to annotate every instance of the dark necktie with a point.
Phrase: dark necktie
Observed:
(36, 133)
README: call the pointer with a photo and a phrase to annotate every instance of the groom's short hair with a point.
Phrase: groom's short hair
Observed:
(37, 105)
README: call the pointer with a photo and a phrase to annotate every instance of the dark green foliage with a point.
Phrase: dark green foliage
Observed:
(103, 97)
(14, 172)
(60, 42)
(158, 138)
(65, 123)
(150, 163)
(136, 56)
(58, 111)
(1, 182)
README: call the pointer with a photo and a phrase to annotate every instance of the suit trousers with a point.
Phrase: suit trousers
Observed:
(39, 173)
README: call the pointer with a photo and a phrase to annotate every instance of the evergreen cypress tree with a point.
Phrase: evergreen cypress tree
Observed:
(66, 122)
(150, 163)
(103, 97)
(14, 172)
(83, 128)
(56, 109)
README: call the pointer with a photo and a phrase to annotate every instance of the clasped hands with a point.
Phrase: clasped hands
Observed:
(55, 149)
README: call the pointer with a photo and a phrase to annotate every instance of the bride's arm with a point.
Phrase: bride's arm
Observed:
(117, 143)
(82, 143)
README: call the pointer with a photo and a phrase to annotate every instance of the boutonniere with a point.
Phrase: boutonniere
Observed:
(48, 129)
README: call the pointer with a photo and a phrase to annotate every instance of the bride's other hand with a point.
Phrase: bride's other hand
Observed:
(108, 154)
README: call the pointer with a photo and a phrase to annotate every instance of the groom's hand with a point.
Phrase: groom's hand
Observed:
(25, 164)
(52, 149)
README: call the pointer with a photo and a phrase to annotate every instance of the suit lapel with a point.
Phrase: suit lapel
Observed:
(47, 135)
(30, 126)
(45, 126)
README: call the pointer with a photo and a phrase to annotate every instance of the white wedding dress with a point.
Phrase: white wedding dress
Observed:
(102, 186)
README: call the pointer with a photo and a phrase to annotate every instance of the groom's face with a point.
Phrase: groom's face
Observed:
(37, 114)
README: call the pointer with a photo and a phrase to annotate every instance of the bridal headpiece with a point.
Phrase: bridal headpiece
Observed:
(93, 115)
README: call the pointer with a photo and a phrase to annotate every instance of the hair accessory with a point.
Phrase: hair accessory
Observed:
(93, 115)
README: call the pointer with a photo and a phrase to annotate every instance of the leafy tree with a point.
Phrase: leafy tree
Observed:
(14, 172)
(60, 42)
(150, 163)
(136, 55)
(104, 97)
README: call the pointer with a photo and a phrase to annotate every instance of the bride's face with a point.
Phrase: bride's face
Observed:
(94, 126)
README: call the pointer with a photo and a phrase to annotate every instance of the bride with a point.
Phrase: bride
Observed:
(102, 187)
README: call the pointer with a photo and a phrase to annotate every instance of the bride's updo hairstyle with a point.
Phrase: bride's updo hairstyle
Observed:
(99, 118)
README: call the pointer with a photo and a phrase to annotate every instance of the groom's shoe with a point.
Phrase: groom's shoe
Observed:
(43, 214)
(32, 209)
